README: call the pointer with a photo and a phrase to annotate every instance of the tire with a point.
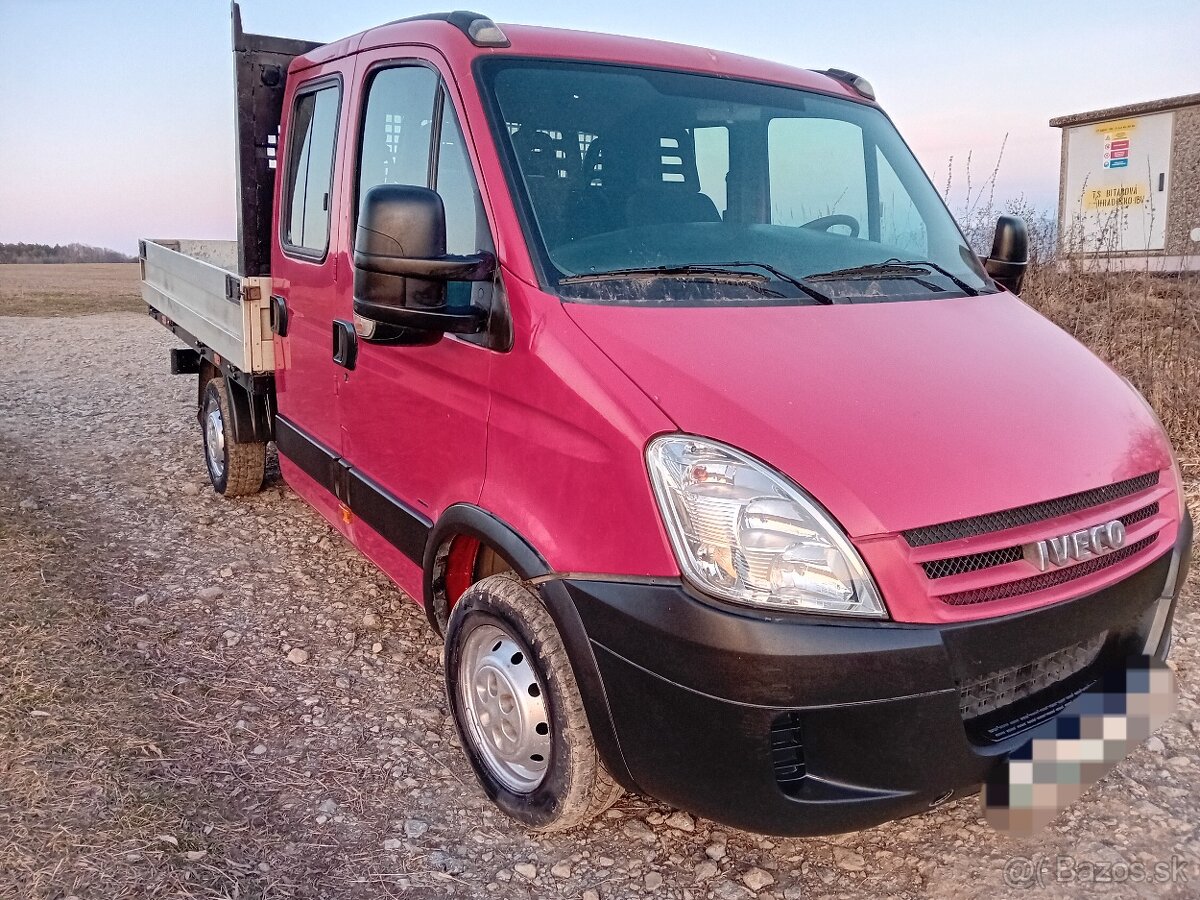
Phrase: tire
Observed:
(235, 468)
(493, 622)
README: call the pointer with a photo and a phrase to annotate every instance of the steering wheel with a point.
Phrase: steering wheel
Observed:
(826, 222)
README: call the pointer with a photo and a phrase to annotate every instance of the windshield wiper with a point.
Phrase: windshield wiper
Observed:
(896, 268)
(729, 271)
(818, 295)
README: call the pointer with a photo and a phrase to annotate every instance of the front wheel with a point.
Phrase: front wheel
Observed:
(235, 468)
(518, 710)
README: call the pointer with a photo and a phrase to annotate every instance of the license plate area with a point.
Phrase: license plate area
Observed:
(1070, 750)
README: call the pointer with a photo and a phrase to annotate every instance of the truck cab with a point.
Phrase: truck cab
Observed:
(665, 382)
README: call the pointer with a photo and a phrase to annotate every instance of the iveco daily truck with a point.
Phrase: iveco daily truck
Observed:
(663, 379)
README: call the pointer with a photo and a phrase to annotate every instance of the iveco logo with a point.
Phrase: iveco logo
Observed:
(1088, 542)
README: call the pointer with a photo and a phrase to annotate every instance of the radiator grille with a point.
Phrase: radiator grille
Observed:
(1027, 515)
(1140, 515)
(1047, 579)
(957, 565)
(997, 690)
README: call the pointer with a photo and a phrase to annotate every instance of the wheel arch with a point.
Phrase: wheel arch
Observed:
(465, 520)
(251, 415)
(206, 373)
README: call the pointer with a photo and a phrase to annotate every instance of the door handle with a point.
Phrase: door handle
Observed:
(345, 343)
(279, 315)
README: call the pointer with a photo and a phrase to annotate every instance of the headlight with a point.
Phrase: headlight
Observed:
(744, 533)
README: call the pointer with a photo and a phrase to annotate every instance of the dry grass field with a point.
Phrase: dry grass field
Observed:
(69, 290)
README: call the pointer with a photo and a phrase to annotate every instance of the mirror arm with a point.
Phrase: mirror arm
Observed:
(1006, 273)
(475, 267)
(445, 319)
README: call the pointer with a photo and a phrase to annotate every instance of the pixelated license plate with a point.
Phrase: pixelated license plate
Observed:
(1067, 754)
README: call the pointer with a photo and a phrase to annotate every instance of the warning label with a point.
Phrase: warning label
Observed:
(1116, 142)
(1119, 197)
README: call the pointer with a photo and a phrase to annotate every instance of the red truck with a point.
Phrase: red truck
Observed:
(665, 382)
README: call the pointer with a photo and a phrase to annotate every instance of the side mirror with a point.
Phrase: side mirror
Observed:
(1010, 253)
(401, 266)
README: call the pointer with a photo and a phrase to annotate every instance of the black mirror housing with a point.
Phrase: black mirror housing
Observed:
(401, 266)
(1007, 262)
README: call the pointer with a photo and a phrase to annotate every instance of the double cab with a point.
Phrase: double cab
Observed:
(664, 381)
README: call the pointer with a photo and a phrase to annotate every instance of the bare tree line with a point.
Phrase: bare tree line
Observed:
(60, 253)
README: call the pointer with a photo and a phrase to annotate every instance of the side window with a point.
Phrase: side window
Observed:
(466, 224)
(458, 188)
(816, 167)
(712, 162)
(397, 128)
(311, 140)
(900, 224)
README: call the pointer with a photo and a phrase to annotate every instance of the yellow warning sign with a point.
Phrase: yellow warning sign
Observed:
(1121, 196)
(1119, 128)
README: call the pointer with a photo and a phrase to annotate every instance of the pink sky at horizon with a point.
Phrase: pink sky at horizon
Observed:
(124, 128)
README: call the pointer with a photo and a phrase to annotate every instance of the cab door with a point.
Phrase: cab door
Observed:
(304, 268)
(415, 417)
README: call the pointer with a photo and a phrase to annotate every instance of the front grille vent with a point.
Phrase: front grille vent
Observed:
(1027, 515)
(1140, 515)
(1047, 579)
(997, 690)
(957, 565)
(787, 752)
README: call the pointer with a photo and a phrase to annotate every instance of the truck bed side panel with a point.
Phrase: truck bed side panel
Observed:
(195, 285)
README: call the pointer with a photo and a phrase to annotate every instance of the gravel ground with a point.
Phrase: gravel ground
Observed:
(299, 735)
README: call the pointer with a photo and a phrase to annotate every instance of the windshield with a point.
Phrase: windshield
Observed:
(624, 170)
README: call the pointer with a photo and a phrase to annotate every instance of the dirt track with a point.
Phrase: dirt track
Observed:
(226, 770)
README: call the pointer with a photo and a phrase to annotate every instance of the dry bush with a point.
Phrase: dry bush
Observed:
(978, 209)
(1146, 325)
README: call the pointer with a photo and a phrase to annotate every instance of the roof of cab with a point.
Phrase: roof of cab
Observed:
(531, 40)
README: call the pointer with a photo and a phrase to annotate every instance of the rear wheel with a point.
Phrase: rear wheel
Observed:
(518, 710)
(235, 468)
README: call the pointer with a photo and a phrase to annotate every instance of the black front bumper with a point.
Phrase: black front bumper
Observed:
(806, 725)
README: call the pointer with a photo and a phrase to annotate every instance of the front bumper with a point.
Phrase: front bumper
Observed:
(804, 725)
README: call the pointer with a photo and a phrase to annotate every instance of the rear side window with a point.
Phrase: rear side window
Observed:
(308, 193)
(712, 162)
(816, 169)
(900, 222)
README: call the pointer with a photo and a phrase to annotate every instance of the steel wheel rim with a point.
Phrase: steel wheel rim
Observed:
(505, 705)
(214, 441)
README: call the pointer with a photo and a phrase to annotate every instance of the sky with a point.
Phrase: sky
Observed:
(116, 116)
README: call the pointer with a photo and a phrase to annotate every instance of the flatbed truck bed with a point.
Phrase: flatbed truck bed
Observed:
(193, 287)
